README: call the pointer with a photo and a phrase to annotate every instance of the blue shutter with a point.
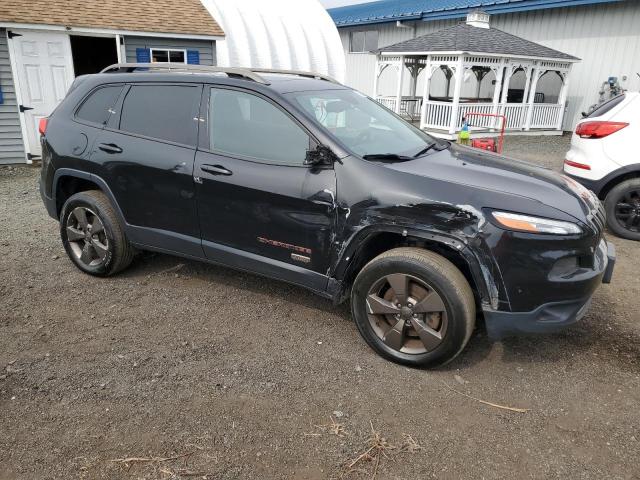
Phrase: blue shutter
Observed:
(1, 96)
(193, 57)
(143, 55)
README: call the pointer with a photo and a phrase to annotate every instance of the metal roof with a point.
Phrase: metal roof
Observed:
(393, 10)
(466, 38)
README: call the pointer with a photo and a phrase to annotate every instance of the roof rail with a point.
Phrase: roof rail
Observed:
(183, 67)
(248, 73)
(300, 73)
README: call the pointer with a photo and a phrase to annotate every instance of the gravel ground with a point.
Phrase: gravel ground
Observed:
(188, 370)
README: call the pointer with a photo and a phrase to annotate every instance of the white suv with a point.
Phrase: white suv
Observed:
(605, 158)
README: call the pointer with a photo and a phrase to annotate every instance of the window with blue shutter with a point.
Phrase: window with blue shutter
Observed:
(193, 57)
(143, 55)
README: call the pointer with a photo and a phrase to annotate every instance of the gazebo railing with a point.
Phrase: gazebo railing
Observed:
(544, 115)
(439, 114)
(486, 122)
(409, 106)
(516, 114)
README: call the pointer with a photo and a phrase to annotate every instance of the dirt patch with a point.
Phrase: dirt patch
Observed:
(177, 369)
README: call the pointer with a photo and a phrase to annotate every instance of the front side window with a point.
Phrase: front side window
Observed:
(96, 108)
(361, 124)
(168, 55)
(165, 112)
(245, 125)
(364, 41)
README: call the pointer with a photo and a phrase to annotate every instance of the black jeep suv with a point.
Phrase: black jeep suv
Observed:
(298, 178)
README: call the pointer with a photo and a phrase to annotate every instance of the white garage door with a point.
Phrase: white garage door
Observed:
(44, 68)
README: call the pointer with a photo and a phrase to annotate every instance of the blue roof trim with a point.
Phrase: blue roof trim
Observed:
(385, 11)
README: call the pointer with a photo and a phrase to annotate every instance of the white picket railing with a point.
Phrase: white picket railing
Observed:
(409, 106)
(546, 116)
(438, 114)
(464, 109)
(516, 114)
(389, 102)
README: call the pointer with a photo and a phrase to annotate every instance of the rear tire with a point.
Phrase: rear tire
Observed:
(623, 209)
(93, 236)
(427, 325)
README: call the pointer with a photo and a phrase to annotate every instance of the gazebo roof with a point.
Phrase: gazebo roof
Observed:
(467, 38)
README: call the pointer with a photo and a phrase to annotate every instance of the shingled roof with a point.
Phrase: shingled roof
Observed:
(467, 38)
(157, 16)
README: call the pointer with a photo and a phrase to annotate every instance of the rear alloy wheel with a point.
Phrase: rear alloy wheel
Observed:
(413, 307)
(623, 209)
(93, 236)
(86, 236)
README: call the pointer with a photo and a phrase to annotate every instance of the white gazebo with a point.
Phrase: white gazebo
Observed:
(472, 68)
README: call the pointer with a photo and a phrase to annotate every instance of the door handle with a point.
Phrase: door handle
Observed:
(110, 148)
(216, 170)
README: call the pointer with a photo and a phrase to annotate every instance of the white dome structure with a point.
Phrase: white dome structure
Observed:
(279, 34)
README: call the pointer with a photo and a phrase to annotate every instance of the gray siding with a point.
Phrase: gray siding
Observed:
(606, 37)
(206, 48)
(11, 146)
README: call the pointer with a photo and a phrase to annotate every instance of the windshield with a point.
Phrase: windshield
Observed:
(361, 124)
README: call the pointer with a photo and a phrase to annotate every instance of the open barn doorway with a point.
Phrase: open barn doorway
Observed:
(92, 54)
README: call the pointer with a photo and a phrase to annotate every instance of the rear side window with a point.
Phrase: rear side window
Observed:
(606, 106)
(96, 108)
(245, 125)
(165, 112)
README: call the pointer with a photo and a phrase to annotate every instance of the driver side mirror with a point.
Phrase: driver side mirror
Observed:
(321, 155)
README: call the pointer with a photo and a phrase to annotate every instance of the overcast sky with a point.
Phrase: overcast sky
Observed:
(340, 3)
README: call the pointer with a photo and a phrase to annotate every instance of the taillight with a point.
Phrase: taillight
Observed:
(598, 129)
(583, 166)
(42, 125)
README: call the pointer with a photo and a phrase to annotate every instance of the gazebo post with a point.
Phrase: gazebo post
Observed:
(562, 98)
(376, 77)
(456, 95)
(532, 96)
(505, 87)
(400, 82)
(425, 94)
(498, 87)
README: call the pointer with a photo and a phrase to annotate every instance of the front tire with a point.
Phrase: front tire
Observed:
(623, 209)
(413, 307)
(93, 236)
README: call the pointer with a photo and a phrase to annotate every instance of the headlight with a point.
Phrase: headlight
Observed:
(525, 223)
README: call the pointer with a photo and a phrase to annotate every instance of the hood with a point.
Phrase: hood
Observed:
(489, 171)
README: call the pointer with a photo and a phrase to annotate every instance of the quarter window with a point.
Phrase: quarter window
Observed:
(96, 108)
(165, 112)
(168, 55)
(364, 41)
(246, 125)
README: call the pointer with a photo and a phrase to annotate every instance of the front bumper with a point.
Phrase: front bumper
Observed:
(548, 317)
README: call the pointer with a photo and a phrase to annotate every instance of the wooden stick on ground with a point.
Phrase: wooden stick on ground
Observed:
(511, 409)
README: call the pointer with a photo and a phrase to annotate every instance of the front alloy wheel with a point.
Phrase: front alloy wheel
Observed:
(413, 307)
(406, 313)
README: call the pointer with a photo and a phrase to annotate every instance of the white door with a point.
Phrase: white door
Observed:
(44, 69)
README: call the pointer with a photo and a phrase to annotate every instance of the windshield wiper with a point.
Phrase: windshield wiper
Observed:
(385, 156)
(429, 147)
